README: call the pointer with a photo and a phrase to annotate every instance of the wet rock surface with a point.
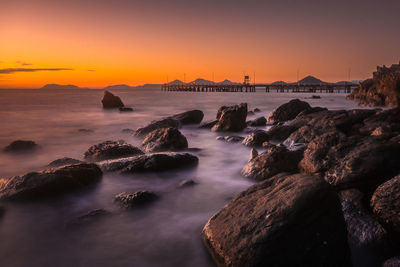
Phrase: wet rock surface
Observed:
(21, 146)
(136, 199)
(50, 182)
(261, 121)
(151, 163)
(111, 150)
(154, 125)
(63, 162)
(284, 221)
(231, 119)
(164, 139)
(111, 101)
(189, 117)
(208, 124)
(288, 111)
(231, 138)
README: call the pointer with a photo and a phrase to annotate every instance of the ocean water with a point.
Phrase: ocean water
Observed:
(164, 233)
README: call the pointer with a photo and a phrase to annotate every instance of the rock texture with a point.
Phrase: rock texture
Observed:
(111, 101)
(288, 111)
(208, 124)
(63, 162)
(131, 200)
(154, 125)
(21, 146)
(231, 119)
(284, 221)
(151, 163)
(189, 117)
(50, 182)
(111, 150)
(164, 139)
(261, 121)
(383, 89)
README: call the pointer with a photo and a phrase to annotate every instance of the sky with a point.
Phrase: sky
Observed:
(98, 43)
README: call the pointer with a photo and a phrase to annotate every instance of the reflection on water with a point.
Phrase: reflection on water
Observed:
(165, 233)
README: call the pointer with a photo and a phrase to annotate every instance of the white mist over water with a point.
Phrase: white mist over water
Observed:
(164, 233)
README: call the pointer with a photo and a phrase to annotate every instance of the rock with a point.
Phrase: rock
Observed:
(250, 113)
(392, 262)
(385, 203)
(128, 131)
(382, 90)
(208, 124)
(50, 182)
(187, 183)
(275, 133)
(111, 101)
(291, 220)
(256, 139)
(63, 162)
(253, 154)
(369, 241)
(274, 160)
(231, 119)
(86, 131)
(315, 97)
(2, 211)
(189, 117)
(231, 138)
(154, 125)
(164, 139)
(21, 146)
(90, 217)
(139, 198)
(261, 121)
(151, 163)
(288, 111)
(256, 110)
(125, 109)
(111, 150)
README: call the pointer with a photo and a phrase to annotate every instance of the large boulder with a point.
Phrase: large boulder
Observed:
(164, 139)
(288, 111)
(111, 101)
(256, 138)
(151, 163)
(21, 146)
(231, 119)
(50, 182)
(276, 133)
(111, 150)
(136, 199)
(291, 220)
(189, 117)
(385, 203)
(154, 125)
(274, 160)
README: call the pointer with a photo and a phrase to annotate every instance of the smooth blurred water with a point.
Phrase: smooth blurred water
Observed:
(165, 233)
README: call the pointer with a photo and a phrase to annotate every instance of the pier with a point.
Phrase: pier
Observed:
(272, 87)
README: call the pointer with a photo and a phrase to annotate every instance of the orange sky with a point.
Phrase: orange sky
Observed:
(135, 42)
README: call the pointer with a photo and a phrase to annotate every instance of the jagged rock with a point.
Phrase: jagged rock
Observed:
(164, 139)
(50, 182)
(385, 203)
(189, 117)
(111, 150)
(382, 90)
(255, 139)
(288, 111)
(261, 121)
(90, 217)
(63, 162)
(151, 163)
(125, 109)
(154, 125)
(111, 101)
(139, 198)
(21, 146)
(208, 124)
(187, 183)
(231, 119)
(284, 221)
(274, 160)
(253, 154)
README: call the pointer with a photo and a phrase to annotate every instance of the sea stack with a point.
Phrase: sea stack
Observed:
(111, 101)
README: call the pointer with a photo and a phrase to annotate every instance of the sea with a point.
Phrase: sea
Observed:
(65, 123)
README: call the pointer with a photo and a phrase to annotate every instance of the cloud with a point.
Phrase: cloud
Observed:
(91, 70)
(14, 70)
(24, 63)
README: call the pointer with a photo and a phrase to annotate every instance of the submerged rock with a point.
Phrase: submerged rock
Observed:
(125, 109)
(151, 163)
(21, 146)
(261, 121)
(288, 111)
(111, 101)
(139, 198)
(50, 182)
(231, 119)
(154, 125)
(284, 221)
(63, 162)
(189, 117)
(187, 183)
(231, 138)
(111, 150)
(128, 131)
(90, 217)
(274, 160)
(164, 139)
(208, 124)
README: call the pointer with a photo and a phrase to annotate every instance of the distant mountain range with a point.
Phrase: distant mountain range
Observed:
(61, 87)
(202, 82)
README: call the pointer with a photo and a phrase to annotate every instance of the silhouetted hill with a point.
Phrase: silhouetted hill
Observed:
(176, 82)
(63, 87)
(279, 82)
(202, 81)
(118, 87)
(227, 82)
(311, 80)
